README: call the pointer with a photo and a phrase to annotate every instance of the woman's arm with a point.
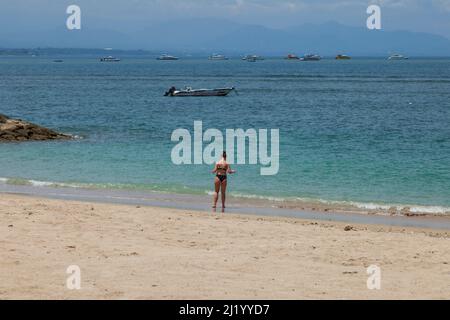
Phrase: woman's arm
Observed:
(230, 171)
(215, 168)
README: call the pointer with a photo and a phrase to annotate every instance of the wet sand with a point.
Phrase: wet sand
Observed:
(234, 205)
(144, 252)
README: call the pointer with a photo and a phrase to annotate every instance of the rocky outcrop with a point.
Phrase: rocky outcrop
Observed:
(14, 130)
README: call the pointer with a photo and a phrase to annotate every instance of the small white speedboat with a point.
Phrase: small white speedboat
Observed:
(166, 57)
(217, 57)
(109, 59)
(189, 92)
(252, 58)
(310, 57)
(397, 57)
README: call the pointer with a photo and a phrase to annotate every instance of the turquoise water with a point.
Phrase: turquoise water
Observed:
(364, 130)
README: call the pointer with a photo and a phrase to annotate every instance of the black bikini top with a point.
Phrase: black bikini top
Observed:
(221, 167)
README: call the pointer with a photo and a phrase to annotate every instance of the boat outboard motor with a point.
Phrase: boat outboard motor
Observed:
(170, 92)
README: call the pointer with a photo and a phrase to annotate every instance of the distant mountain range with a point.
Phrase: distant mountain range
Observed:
(211, 35)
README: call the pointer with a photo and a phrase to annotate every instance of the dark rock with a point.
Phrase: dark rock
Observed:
(15, 130)
(3, 118)
(348, 228)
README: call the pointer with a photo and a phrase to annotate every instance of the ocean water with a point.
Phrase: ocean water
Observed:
(368, 132)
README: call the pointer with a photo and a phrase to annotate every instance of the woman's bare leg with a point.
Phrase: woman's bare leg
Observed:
(216, 191)
(223, 189)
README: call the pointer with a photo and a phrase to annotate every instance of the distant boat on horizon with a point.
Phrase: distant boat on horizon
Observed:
(109, 59)
(342, 57)
(189, 92)
(217, 57)
(311, 57)
(397, 56)
(167, 57)
(292, 57)
(252, 58)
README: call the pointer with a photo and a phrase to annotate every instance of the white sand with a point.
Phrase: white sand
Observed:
(127, 252)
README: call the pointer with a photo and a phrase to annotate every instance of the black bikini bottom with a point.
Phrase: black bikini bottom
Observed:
(222, 178)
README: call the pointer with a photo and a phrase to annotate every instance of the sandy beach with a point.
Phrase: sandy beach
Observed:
(137, 252)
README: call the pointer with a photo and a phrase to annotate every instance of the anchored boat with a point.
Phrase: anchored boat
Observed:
(292, 57)
(397, 57)
(311, 57)
(342, 57)
(166, 57)
(189, 92)
(252, 58)
(109, 59)
(217, 57)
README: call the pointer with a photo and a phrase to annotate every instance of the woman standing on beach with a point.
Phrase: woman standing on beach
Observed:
(221, 169)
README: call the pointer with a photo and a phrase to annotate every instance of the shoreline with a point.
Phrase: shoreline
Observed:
(256, 207)
(142, 252)
(287, 202)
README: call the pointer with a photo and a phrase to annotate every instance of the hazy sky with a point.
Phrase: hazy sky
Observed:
(431, 16)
